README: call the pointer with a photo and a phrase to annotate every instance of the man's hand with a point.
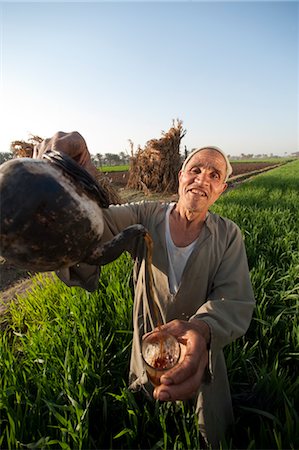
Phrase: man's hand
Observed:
(72, 144)
(183, 381)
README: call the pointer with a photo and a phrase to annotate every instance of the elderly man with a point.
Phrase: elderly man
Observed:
(201, 277)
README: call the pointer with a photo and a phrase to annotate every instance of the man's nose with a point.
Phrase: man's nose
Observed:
(202, 177)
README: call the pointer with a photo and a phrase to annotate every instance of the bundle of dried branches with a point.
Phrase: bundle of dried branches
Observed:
(155, 168)
(24, 149)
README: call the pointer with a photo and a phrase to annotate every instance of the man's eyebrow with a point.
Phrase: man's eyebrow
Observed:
(216, 170)
(208, 166)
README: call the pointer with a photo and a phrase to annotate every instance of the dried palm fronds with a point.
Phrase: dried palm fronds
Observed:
(155, 168)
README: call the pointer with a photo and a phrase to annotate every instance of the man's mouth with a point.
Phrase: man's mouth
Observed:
(198, 192)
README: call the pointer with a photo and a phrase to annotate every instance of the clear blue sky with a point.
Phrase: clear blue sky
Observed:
(124, 70)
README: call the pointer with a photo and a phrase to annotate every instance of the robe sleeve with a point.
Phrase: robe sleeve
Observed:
(86, 276)
(229, 306)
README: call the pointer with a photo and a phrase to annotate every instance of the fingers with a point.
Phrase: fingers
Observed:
(183, 381)
(195, 347)
(192, 346)
(185, 389)
(72, 144)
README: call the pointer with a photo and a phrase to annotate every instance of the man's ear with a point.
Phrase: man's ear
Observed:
(224, 187)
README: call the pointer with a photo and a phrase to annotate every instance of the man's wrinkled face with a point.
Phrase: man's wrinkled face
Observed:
(203, 180)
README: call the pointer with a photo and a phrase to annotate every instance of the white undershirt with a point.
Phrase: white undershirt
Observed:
(177, 256)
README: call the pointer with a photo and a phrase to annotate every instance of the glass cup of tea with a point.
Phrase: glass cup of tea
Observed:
(160, 351)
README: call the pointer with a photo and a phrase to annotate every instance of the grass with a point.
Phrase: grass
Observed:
(263, 377)
(64, 353)
(59, 359)
(123, 168)
(274, 160)
(270, 160)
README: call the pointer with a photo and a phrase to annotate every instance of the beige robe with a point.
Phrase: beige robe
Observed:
(215, 287)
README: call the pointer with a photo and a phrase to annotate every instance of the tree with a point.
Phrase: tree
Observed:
(5, 156)
(124, 158)
(97, 159)
(111, 159)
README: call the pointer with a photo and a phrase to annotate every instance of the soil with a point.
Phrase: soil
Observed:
(15, 281)
(120, 179)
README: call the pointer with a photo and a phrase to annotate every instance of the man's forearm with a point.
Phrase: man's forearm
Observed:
(203, 329)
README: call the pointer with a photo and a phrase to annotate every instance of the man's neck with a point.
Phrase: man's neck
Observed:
(185, 226)
(188, 217)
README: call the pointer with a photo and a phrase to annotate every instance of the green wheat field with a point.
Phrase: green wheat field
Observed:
(64, 353)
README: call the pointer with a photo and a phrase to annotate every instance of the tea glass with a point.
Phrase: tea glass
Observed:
(160, 351)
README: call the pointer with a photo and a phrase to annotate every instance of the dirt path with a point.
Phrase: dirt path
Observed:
(19, 287)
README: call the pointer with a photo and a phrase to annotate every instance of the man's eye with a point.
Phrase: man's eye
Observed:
(195, 170)
(215, 176)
